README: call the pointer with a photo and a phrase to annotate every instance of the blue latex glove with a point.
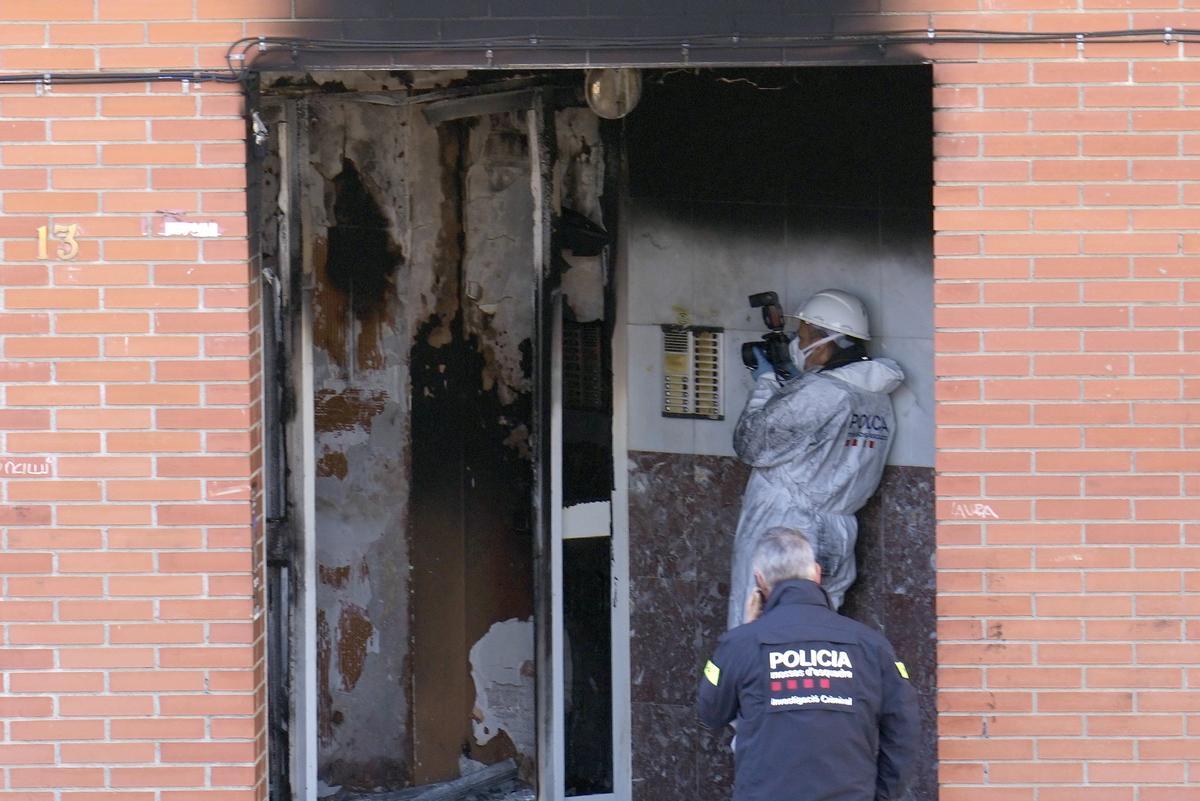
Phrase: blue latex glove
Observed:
(763, 367)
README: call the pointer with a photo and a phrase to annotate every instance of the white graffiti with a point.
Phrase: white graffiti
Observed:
(15, 468)
(978, 511)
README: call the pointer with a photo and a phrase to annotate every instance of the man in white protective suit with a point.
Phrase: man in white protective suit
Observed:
(817, 442)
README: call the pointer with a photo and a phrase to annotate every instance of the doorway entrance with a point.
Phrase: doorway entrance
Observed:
(476, 292)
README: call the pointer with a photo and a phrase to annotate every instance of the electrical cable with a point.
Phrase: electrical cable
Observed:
(242, 56)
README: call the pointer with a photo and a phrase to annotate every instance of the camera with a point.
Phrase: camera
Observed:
(774, 343)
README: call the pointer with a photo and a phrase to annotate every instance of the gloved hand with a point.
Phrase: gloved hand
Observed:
(763, 367)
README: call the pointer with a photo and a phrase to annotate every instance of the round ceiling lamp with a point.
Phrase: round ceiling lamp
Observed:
(613, 93)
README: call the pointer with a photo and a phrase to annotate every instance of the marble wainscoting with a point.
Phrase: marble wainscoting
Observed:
(683, 514)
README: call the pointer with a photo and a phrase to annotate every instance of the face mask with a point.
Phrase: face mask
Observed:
(800, 355)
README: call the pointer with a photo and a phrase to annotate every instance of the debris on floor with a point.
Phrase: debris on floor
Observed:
(497, 782)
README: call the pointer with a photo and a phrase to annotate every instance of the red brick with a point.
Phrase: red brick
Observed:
(96, 419)
(51, 203)
(41, 155)
(106, 514)
(26, 610)
(1137, 772)
(158, 729)
(1085, 316)
(147, 202)
(56, 778)
(24, 179)
(1166, 120)
(107, 658)
(153, 395)
(29, 442)
(1130, 195)
(55, 634)
(142, 58)
(57, 729)
(109, 610)
(1031, 97)
(157, 681)
(50, 490)
(157, 777)
(205, 609)
(152, 586)
(211, 704)
(153, 442)
(156, 633)
(51, 347)
(142, 106)
(152, 346)
(982, 121)
(13, 419)
(198, 178)
(57, 682)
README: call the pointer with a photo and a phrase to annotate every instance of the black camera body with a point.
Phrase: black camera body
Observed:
(774, 343)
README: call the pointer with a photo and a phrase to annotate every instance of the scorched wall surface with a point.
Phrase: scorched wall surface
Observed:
(1066, 190)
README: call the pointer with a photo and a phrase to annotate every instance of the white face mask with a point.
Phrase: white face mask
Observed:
(800, 355)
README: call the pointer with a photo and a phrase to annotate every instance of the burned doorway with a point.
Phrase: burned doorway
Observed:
(739, 181)
(437, 251)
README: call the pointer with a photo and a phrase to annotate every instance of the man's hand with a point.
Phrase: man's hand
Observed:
(754, 605)
(763, 366)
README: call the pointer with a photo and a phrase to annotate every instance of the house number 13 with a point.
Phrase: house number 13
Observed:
(65, 235)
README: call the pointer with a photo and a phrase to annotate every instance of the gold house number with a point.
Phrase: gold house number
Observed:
(65, 235)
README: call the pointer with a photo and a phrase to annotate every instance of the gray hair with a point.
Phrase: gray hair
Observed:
(782, 554)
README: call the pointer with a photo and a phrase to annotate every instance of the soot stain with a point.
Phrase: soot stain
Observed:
(362, 258)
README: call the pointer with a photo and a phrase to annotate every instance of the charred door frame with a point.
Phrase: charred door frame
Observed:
(547, 480)
(289, 449)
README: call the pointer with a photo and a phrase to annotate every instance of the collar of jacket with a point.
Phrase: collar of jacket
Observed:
(797, 591)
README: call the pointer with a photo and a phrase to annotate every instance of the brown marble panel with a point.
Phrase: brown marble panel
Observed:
(664, 753)
(683, 513)
(661, 491)
(662, 643)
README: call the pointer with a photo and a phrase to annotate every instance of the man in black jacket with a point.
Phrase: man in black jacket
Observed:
(824, 710)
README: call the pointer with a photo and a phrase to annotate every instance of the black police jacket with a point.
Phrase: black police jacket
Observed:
(824, 709)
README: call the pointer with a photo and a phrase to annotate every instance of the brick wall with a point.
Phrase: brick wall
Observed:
(1067, 256)
(1067, 251)
(131, 655)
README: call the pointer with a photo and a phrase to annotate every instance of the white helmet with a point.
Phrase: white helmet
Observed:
(835, 310)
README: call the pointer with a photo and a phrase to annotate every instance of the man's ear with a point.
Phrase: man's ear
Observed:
(761, 583)
(817, 573)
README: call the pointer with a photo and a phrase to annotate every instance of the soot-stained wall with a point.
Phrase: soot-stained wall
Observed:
(790, 180)
(738, 182)
(472, 542)
(356, 222)
(420, 241)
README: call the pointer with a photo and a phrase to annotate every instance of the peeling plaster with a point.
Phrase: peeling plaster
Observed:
(498, 243)
(502, 669)
(578, 185)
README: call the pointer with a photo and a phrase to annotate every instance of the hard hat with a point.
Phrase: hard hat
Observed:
(835, 310)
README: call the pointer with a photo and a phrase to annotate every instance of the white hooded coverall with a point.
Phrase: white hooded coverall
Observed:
(817, 446)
